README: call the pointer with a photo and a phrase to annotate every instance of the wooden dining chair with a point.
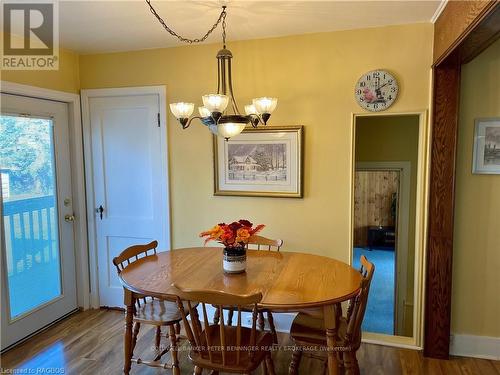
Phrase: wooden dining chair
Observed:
(152, 311)
(308, 330)
(219, 347)
(259, 243)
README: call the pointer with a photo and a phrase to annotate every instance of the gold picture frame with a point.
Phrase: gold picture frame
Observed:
(266, 161)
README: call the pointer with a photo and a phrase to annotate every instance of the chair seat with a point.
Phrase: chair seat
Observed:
(158, 312)
(246, 362)
(308, 330)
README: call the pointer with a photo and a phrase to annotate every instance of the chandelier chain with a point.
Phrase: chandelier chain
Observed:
(222, 18)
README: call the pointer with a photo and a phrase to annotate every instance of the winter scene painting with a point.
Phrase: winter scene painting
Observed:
(486, 159)
(264, 162)
(492, 145)
(260, 163)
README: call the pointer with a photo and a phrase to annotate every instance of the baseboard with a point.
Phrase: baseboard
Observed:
(475, 346)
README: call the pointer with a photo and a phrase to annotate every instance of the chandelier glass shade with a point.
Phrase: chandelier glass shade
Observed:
(220, 111)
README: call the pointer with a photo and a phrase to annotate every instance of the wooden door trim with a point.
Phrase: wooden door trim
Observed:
(159, 90)
(481, 29)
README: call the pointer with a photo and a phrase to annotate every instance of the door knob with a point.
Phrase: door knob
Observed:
(69, 218)
(100, 210)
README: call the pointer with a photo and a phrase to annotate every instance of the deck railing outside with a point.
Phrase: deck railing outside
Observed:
(32, 252)
(30, 233)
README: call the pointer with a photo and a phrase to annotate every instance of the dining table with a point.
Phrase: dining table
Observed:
(288, 281)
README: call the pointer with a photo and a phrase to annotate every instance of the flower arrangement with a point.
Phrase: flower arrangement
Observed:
(234, 235)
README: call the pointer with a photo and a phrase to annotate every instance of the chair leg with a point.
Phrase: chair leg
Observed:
(294, 364)
(264, 368)
(173, 350)
(351, 363)
(197, 370)
(270, 364)
(135, 333)
(340, 360)
(230, 317)
(178, 328)
(270, 319)
(158, 338)
(262, 323)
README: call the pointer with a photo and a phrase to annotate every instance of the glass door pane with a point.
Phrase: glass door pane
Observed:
(29, 199)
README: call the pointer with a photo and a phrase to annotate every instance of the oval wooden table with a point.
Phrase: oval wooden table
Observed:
(288, 282)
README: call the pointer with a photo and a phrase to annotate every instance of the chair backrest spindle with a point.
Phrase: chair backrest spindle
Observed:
(214, 342)
(357, 305)
(263, 243)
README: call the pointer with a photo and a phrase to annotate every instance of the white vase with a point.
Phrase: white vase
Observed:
(234, 260)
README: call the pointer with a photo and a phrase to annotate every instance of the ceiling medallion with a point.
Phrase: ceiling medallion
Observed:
(220, 112)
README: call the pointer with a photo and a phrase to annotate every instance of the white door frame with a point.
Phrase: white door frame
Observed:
(403, 215)
(422, 198)
(77, 177)
(87, 141)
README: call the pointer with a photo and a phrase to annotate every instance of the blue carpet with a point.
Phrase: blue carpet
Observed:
(379, 316)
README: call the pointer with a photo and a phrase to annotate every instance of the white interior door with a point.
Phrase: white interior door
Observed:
(38, 258)
(129, 180)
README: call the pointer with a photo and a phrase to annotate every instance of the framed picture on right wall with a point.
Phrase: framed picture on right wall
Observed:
(486, 157)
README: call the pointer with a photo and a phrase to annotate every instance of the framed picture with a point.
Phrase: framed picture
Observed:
(264, 162)
(486, 157)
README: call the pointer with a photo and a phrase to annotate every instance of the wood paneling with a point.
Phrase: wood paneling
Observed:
(482, 36)
(463, 30)
(455, 22)
(441, 203)
(373, 192)
(90, 343)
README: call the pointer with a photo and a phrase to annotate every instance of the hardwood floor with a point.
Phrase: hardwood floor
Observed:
(90, 342)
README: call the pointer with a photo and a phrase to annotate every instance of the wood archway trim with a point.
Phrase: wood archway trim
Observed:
(462, 32)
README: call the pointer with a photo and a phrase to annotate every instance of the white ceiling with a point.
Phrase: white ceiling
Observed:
(106, 26)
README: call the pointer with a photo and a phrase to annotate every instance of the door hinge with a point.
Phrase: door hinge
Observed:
(158, 120)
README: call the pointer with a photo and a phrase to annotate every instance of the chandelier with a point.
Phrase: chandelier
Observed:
(220, 111)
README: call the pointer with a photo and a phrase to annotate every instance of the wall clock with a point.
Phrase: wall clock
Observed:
(376, 90)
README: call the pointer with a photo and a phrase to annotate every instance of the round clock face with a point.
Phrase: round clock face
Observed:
(376, 90)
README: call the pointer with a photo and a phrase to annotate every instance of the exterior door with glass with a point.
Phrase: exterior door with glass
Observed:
(37, 258)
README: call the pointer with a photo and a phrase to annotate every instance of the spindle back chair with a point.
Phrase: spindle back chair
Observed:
(153, 311)
(308, 330)
(259, 243)
(220, 347)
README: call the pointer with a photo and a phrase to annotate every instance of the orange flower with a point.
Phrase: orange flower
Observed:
(235, 234)
(213, 234)
(242, 235)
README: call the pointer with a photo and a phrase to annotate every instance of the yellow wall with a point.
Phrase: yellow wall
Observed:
(313, 76)
(67, 78)
(395, 138)
(476, 254)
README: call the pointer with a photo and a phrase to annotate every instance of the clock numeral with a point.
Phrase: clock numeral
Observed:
(362, 84)
(358, 92)
(368, 78)
(393, 89)
(376, 74)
